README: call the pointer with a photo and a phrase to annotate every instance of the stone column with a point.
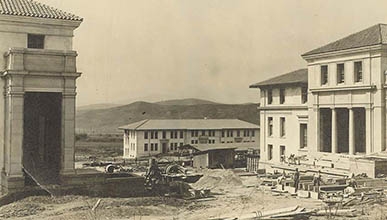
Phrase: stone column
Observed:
(334, 131)
(368, 129)
(68, 127)
(351, 130)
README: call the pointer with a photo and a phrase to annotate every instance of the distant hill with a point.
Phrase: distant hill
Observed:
(185, 102)
(96, 106)
(107, 120)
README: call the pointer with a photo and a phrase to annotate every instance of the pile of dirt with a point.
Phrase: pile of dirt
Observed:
(20, 210)
(218, 179)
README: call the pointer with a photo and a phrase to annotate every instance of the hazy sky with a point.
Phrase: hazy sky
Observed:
(212, 49)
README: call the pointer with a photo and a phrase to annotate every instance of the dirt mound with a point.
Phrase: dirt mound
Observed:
(20, 210)
(218, 179)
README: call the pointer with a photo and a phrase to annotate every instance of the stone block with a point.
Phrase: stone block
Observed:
(303, 194)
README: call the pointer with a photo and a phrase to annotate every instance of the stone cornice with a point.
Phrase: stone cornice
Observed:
(72, 24)
(343, 88)
(343, 52)
(283, 107)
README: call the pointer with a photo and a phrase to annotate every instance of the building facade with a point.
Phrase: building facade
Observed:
(38, 78)
(153, 137)
(283, 116)
(345, 111)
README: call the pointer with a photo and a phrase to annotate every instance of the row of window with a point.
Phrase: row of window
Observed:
(303, 143)
(340, 73)
(282, 126)
(153, 147)
(173, 146)
(195, 133)
(246, 133)
(304, 95)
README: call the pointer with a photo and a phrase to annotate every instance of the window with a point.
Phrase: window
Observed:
(282, 127)
(175, 146)
(156, 147)
(175, 134)
(192, 142)
(171, 146)
(156, 134)
(270, 126)
(282, 95)
(203, 133)
(282, 153)
(304, 94)
(303, 135)
(171, 134)
(35, 41)
(238, 133)
(324, 74)
(340, 73)
(145, 147)
(152, 147)
(269, 96)
(145, 135)
(222, 133)
(181, 144)
(358, 69)
(164, 134)
(181, 134)
(270, 152)
(252, 133)
(151, 135)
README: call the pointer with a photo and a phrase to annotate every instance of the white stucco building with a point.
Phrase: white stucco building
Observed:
(152, 137)
(283, 115)
(345, 112)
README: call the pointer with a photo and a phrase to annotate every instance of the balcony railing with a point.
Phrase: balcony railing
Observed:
(40, 60)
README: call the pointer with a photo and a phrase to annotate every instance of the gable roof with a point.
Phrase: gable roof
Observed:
(189, 124)
(374, 35)
(295, 77)
(30, 8)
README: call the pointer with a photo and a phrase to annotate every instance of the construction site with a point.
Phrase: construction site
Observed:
(319, 151)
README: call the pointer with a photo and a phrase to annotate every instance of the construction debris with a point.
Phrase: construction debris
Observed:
(284, 213)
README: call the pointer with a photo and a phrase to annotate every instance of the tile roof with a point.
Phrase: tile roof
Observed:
(374, 35)
(189, 124)
(30, 8)
(295, 77)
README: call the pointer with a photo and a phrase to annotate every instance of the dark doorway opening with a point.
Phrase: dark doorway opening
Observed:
(342, 130)
(164, 148)
(42, 136)
(360, 130)
(325, 130)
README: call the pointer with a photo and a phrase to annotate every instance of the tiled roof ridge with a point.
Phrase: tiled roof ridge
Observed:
(362, 38)
(32, 8)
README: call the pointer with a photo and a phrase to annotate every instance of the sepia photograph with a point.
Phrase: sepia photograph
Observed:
(193, 109)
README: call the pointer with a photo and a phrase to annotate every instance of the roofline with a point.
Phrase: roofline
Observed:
(39, 21)
(279, 85)
(179, 129)
(307, 56)
(214, 149)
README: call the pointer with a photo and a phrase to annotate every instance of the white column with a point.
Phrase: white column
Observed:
(351, 141)
(334, 131)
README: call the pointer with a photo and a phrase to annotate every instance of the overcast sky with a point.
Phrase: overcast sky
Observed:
(211, 49)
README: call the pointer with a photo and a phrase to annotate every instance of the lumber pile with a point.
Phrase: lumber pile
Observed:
(294, 212)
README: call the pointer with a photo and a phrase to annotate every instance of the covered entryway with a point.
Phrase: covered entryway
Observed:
(342, 130)
(42, 136)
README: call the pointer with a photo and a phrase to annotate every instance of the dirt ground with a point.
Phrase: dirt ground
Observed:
(234, 195)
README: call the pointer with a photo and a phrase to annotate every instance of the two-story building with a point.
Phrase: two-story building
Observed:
(339, 102)
(38, 81)
(152, 137)
(283, 115)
